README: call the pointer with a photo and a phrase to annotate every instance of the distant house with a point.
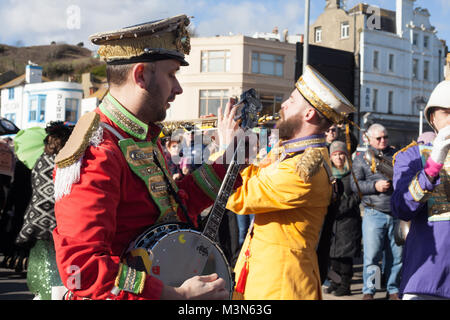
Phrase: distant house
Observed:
(94, 91)
(33, 100)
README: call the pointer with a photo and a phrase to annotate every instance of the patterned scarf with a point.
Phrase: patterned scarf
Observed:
(39, 219)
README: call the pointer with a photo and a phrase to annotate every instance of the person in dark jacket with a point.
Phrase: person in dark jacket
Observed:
(378, 222)
(346, 229)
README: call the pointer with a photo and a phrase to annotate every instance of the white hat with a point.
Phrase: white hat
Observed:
(440, 97)
(324, 96)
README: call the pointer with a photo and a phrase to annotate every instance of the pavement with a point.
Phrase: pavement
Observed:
(355, 287)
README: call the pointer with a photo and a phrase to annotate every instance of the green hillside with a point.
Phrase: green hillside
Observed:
(59, 61)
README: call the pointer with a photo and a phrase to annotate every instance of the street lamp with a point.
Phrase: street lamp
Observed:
(420, 104)
(306, 36)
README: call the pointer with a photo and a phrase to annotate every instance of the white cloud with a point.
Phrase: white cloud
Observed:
(40, 22)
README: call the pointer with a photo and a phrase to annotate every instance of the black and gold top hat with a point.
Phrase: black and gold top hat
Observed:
(146, 42)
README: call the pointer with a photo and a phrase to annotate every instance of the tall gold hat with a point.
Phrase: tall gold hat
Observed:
(324, 96)
(146, 42)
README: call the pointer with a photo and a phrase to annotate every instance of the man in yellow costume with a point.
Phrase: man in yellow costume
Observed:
(289, 193)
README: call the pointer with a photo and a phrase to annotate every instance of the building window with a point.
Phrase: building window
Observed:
(415, 69)
(391, 102)
(71, 110)
(426, 41)
(391, 62)
(37, 108)
(376, 55)
(11, 117)
(374, 99)
(216, 61)
(11, 93)
(318, 34)
(271, 103)
(345, 30)
(426, 70)
(270, 64)
(415, 39)
(211, 100)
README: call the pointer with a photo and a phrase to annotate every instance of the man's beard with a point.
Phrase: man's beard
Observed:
(156, 105)
(287, 128)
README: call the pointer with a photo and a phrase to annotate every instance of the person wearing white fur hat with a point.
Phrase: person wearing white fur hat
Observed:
(288, 193)
(422, 196)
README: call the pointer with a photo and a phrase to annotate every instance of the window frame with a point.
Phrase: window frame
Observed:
(391, 62)
(317, 31)
(276, 63)
(376, 60)
(390, 101)
(11, 93)
(226, 60)
(77, 107)
(223, 98)
(41, 100)
(345, 30)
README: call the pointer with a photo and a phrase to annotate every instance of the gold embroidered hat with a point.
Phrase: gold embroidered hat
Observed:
(146, 42)
(324, 96)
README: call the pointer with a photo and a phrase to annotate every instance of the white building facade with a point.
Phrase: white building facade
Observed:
(35, 103)
(399, 71)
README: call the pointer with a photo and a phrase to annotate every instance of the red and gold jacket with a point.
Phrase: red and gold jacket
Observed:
(108, 206)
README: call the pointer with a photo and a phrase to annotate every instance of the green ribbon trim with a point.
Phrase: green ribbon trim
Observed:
(131, 280)
(123, 118)
(148, 169)
(206, 178)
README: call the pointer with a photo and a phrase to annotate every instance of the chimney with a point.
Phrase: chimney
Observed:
(403, 16)
(333, 4)
(33, 73)
(285, 35)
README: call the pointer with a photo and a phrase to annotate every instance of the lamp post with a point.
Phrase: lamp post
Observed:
(420, 104)
(306, 37)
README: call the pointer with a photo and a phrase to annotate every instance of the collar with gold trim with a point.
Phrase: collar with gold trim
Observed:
(123, 118)
(301, 144)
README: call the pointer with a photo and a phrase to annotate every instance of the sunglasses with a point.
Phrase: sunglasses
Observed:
(382, 137)
(331, 130)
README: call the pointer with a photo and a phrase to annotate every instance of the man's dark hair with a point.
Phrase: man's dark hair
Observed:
(59, 130)
(117, 74)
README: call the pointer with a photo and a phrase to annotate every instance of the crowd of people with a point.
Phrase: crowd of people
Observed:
(296, 218)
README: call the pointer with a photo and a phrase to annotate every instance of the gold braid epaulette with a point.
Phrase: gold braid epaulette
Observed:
(309, 163)
(78, 141)
(412, 144)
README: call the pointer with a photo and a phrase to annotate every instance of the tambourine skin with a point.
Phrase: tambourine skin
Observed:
(178, 253)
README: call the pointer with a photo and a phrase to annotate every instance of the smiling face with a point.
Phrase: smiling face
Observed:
(338, 159)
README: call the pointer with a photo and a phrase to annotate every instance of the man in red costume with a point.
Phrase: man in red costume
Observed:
(103, 199)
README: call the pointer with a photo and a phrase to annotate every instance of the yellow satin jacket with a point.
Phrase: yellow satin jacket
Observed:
(289, 214)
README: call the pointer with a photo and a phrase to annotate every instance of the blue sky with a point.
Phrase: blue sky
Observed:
(30, 22)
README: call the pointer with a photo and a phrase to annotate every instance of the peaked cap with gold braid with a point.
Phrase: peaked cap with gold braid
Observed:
(146, 42)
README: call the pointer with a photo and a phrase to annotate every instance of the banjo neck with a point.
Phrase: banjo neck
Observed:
(211, 229)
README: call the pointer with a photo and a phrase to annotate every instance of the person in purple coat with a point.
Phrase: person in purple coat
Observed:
(422, 195)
